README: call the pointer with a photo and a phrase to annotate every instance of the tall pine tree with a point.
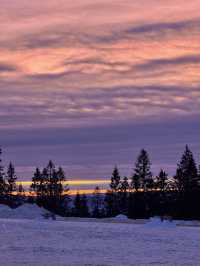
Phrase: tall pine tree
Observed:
(161, 180)
(142, 176)
(11, 179)
(112, 197)
(49, 187)
(80, 206)
(187, 180)
(97, 203)
(187, 173)
(115, 180)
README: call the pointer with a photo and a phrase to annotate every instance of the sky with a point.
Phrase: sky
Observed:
(88, 83)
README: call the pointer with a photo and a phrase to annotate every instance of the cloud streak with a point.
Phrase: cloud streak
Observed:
(169, 62)
(5, 67)
(99, 64)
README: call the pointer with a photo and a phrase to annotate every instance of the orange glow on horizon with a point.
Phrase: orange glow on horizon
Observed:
(72, 192)
(72, 182)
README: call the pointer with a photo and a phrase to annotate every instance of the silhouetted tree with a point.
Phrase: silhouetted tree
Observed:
(187, 174)
(36, 182)
(123, 195)
(137, 205)
(161, 180)
(11, 179)
(142, 177)
(77, 205)
(110, 204)
(21, 196)
(84, 206)
(124, 185)
(49, 188)
(115, 180)
(80, 206)
(21, 189)
(97, 203)
(112, 197)
(187, 180)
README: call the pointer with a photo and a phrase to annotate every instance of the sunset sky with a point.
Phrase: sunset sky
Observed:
(88, 83)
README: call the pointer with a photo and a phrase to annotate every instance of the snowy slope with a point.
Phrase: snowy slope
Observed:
(69, 243)
(26, 211)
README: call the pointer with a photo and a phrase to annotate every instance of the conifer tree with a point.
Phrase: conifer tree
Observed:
(84, 206)
(11, 179)
(62, 187)
(80, 206)
(187, 174)
(49, 188)
(115, 180)
(112, 197)
(161, 180)
(110, 204)
(77, 205)
(39, 184)
(52, 180)
(36, 181)
(97, 203)
(21, 189)
(142, 176)
(187, 181)
(123, 195)
(124, 186)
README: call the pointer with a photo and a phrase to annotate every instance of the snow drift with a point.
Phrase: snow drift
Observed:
(26, 211)
(157, 222)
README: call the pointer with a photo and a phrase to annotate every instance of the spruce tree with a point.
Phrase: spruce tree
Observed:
(49, 188)
(39, 186)
(110, 204)
(187, 174)
(80, 206)
(123, 195)
(51, 180)
(187, 180)
(77, 205)
(61, 179)
(124, 186)
(161, 180)
(112, 197)
(97, 203)
(142, 176)
(115, 180)
(36, 181)
(84, 206)
(11, 179)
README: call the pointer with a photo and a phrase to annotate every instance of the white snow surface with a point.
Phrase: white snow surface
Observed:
(156, 222)
(121, 217)
(26, 211)
(92, 243)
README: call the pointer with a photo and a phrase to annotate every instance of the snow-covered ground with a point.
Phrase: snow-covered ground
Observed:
(91, 243)
(26, 211)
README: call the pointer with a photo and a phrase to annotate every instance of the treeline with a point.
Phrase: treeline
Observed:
(140, 196)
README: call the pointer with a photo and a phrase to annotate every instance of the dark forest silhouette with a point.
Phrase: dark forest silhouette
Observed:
(140, 196)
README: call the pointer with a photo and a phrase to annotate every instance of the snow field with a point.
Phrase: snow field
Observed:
(90, 243)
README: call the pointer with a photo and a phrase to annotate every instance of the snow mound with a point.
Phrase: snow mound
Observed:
(121, 217)
(26, 211)
(157, 222)
(192, 223)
